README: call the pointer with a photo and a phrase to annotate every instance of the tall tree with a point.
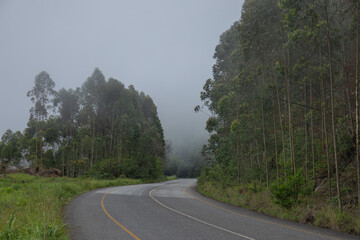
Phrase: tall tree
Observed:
(41, 95)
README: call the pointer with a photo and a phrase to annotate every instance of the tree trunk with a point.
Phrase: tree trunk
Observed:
(357, 100)
(324, 124)
(312, 133)
(54, 154)
(306, 137)
(291, 132)
(62, 163)
(264, 135)
(120, 149)
(251, 162)
(351, 122)
(345, 76)
(326, 148)
(40, 150)
(36, 143)
(92, 146)
(281, 125)
(111, 135)
(238, 161)
(275, 137)
(258, 159)
(332, 106)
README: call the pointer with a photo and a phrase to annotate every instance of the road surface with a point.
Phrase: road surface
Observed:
(174, 210)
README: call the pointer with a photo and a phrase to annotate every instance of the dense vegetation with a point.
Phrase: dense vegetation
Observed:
(285, 105)
(101, 129)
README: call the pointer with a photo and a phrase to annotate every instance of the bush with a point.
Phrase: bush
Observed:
(285, 193)
(255, 187)
(310, 208)
(105, 169)
(345, 222)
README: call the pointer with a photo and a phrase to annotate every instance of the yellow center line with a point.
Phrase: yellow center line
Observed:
(113, 219)
(257, 219)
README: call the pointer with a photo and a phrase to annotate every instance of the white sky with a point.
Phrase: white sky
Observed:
(164, 48)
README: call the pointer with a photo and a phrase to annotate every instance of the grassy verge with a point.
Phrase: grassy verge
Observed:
(170, 178)
(310, 209)
(31, 207)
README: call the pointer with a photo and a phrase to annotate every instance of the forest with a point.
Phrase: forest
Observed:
(101, 129)
(284, 103)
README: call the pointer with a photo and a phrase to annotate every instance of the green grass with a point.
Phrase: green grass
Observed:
(170, 178)
(310, 209)
(31, 207)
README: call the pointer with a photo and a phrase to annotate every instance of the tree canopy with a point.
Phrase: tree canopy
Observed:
(102, 129)
(284, 97)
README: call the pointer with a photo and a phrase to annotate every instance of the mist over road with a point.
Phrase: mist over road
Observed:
(174, 210)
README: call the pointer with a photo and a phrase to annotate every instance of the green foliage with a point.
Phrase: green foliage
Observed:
(211, 124)
(10, 147)
(286, 192)
(235, 126)
(282, 102)
(9, 232)
(345, 222)
(255, 187)
(105, 169)
(46, 230)
(170, 178)
(101, 129)
(41, 95)
(282, 99)
(222, 174)
(31, 207)
(309, 209)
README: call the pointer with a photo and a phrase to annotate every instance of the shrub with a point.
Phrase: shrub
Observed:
(285, 193)
(345, 222)
(105, 169)
(255, 187)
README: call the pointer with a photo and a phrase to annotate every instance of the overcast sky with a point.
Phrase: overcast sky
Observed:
(164, 48)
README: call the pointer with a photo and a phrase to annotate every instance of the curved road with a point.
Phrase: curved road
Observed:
(174, 210)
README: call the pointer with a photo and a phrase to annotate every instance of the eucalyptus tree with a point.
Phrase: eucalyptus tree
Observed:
(288, 67)
(67, 102)
(10, 149)
(92, 107)
(102, 129)
(42, 96)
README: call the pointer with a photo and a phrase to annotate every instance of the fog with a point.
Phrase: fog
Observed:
(163, 48)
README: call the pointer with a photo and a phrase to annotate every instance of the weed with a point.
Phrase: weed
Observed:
(304, 208)
(47, 230)
(34, 198)
(345, 222)
(10, 231)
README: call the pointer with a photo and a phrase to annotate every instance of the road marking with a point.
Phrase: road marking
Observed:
(106, 212)
(257, 219)
(196, 219)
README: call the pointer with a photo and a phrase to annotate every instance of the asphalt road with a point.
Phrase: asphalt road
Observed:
(174, 210)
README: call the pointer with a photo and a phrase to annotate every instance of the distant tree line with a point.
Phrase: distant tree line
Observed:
(101, 129)
(184, 162)
(285, 98)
